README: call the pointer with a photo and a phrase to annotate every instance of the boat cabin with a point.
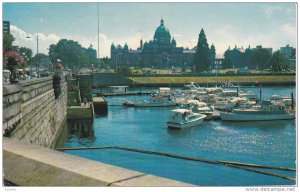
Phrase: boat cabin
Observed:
(229, 93)
(179, 115)
(118, 89)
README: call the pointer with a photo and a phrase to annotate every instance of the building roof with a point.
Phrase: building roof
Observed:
(162, 28)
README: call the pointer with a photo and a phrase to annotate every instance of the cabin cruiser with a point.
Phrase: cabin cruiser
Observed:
(162, 91)
(199, 107)
(214, 90)
(250, 96)
(184, 118)
(157, 101)
(228, 93)
(282, 99)
(263, 112)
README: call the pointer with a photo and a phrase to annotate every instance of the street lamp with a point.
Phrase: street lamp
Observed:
(37, 52)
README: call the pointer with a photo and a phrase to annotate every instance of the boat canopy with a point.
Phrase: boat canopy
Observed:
(182, 111)
(164, 89)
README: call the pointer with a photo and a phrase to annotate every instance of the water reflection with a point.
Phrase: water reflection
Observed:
(261, 125)
(82, 128)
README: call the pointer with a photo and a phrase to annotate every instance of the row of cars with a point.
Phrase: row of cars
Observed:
(22, 75)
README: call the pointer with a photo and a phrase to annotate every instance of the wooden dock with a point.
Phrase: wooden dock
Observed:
(123, 93)
(81, 112)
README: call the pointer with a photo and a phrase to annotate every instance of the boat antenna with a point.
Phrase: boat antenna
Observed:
(98, 30)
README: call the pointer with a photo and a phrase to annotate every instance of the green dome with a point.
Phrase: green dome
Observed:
(161, 28)
(162, 33)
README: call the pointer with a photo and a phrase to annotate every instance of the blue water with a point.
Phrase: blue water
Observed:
(267, 143)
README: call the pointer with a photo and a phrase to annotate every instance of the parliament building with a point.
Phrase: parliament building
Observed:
(161, 52)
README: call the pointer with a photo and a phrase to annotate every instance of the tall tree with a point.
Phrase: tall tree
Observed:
(71, 54)
(260, 58)
(202, 56)
(227, 64)
(8, 39)
(279, 62)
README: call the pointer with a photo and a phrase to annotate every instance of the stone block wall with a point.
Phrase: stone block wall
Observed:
(85, 85)
(31, 112)
(73, 93)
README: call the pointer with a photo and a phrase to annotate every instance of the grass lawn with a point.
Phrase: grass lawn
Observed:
(213, 79)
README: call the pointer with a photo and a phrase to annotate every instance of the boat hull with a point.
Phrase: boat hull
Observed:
(185, 125)
(255, 117)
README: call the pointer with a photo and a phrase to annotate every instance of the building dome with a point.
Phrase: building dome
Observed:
(162, 34)
(162, 28)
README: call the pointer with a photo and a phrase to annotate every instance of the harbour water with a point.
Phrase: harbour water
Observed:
(267, 143)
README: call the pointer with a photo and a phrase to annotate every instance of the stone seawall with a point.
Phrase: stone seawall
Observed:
(31, 112)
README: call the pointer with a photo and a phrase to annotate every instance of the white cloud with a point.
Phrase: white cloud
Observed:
(289, 29)
(24, 39)
(105, 41)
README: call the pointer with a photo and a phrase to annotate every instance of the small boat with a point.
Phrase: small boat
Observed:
(265, 112)
(208, 111)
(250, 96)
(184, 118)
(158, 101)
(192, 86)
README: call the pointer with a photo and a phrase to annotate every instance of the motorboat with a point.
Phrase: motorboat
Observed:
(199, 107)
(184, 118)
(192, 86)
(266, 111)
(229, 93)
(250, 96)
(157, 101)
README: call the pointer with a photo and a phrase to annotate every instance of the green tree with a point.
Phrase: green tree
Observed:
(227, 64)
(278, 62)
(8, 39)
(201, 58)
(71, 54)
(260, 58)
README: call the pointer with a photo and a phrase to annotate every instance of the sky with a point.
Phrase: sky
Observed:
(225, 24)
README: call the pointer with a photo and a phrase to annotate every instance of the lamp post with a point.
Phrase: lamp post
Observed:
(37, 53)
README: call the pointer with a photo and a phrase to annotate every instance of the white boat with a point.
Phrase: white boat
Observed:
(265, 112)
(158, 101)
(250, 96)
(192, 86)
(184, 118)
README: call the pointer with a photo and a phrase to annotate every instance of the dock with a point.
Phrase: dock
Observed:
(81, 112)
(100, 105)
(123, 93)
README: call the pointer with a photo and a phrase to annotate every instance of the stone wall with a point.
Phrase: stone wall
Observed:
(31, 112)
(73, 93)
(85, 86)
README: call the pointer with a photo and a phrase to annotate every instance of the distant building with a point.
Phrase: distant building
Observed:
(240, 57)
(161, 52)
(290, 53)
(237, 57)
(270, 50)
(6, 27)
(92, 54)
